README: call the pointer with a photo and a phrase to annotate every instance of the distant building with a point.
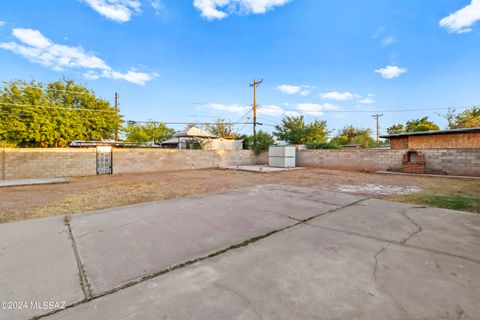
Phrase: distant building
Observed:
(468, 138)
(195, 138)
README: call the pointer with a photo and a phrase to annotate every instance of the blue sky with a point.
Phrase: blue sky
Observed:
(193, 60)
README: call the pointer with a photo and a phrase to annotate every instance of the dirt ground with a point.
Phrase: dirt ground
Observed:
(100, 192)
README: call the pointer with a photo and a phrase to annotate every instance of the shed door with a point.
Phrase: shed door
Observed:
(104, 160)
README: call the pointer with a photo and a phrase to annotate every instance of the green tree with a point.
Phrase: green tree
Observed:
(396, 129)
(423, 124)
(469, 118)
(294, 130)
(264, 141)
(147, 132)
(53, 115)
(222, 129)
(353, 135)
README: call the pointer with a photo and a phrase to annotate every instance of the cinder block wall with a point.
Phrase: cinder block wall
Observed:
(53, 163)
(47, 163)
(452, 161)
(154, 160)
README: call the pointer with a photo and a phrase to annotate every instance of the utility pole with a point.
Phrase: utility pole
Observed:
(116, 110)
(377, 116)
(254, 85)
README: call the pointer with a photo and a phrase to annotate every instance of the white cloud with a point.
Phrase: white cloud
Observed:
(31, 37)
(288, 89)
(38, 49)
(390, 72)
(220, 9)
(340, 96)
(387, 41)
(366, 101)
(2, 23)
(462, 20)
(116, 10)
(157, 5)
(315, 109)
(235, 108)
(292, 113)
(271, 110)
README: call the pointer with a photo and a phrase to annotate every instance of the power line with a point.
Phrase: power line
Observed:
(52, 107)
(45, 121)
(369, 111)
(241, 119)
(51, 89)
(186, 123)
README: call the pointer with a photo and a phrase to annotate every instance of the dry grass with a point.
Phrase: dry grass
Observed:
(94, 193)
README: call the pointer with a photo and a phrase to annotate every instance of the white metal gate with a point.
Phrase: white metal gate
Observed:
(104, 160)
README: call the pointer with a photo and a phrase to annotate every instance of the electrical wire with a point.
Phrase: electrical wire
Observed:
(369, 111)
(52, 107)
(51, 89)
(187, 123)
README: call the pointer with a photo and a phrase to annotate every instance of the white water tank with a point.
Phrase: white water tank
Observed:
(281, 156)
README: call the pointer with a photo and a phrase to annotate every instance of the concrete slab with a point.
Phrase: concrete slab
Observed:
(290, 193)
(152, 237)
(453, 232)
(295, 202)
(37, 264)
(28, 182)
(305, 272)
(355, 258)
(448, 231)
(375, 218)
(260, 168)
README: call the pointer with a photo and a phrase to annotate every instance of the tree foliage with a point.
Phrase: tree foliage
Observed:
(264, 141)
(469, 118)
(414, 125)
(396, 129)
(352, 135)
(53, 115)
(423, 124)
(147, 132)
(294, 130)
(222, 129)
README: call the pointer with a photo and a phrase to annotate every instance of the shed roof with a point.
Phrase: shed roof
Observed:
(194, 132)
(426, 133)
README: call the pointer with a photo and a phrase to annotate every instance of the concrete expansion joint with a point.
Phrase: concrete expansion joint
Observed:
(87, 291)
(89, 296)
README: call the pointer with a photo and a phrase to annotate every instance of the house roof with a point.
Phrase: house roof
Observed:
(194, 132)
(170, 141)
(426, 133)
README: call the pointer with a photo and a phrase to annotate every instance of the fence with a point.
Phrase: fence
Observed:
(464, 162)
(49, 163)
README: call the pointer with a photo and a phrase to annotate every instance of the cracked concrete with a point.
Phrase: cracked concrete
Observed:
(37, 263)
(271, 252)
